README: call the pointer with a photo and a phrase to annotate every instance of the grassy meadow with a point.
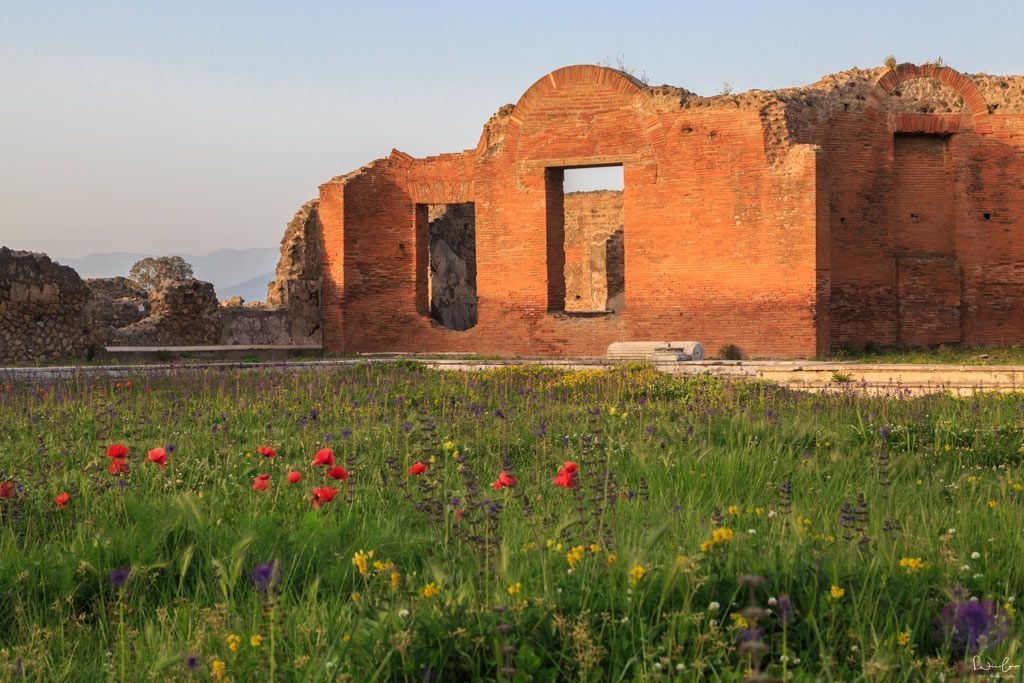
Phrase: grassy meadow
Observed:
(390, 522)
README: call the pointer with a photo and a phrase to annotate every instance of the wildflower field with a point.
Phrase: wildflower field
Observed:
(390, 522)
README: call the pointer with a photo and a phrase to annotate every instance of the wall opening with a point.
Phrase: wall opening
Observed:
(446, 264)
(585, 235)
(927, 274)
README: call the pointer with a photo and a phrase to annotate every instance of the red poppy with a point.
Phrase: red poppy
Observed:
(261, 482)
(62, 499)
(337, 473)
(570, 467)
(267, 451)
(324, 456)
(159, 456)
(118, 450)
(324, 494)
(564, 479)
(507, 479)
(496, 486)
(294, 477)
(418, 468)
(7, 490)
(118, 466)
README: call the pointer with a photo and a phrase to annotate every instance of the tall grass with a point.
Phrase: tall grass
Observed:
(716, 530)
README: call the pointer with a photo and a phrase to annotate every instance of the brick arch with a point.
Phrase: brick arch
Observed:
(960, 83)
(622, 94)
(613, 78)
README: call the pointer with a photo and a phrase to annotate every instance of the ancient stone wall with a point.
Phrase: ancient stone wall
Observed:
(181, 313)
(294, 295)
(773, 220)
(42, 309)
(48, 312)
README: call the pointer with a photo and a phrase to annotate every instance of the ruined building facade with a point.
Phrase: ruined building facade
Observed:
(876, 206)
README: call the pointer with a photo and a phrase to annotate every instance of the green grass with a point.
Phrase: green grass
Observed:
(943, 355)
(699, 505)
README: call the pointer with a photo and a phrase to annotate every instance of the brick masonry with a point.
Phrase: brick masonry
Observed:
(862, 209)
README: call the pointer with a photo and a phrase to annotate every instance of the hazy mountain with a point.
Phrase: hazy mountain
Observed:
(250, 290)
(227, 269)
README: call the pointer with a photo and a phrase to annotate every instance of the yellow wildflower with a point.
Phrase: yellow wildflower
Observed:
(595, 548)
(356, 596)
(574, 556)
(739, 621)
(721, 535)
(360, 559)
(383, 566)
(611, 558)
(912, 564)
(992, 505)
(217, 669)
(256, 640)
(448, 446)
(515, 588)
(836, 592)
(734, 510)
(705, 546)
(903, 638)
(431, 590)
(396, 579)
(345, 637)
(971, 479)
(636, 574)
(233, 641)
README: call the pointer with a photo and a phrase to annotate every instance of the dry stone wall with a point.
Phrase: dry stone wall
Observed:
(294, 295)
(42, 309)
(47, 312)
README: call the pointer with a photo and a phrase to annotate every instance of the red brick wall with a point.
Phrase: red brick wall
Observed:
(732, 235)
(948, 275)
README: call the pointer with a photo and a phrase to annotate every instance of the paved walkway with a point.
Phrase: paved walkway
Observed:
(820, 376)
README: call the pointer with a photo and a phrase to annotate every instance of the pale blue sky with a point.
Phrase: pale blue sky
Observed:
(191, 126)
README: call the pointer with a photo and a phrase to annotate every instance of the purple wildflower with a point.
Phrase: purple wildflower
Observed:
(748, 635)
(119, 576)
(265, 576)
(971, 625)
(783, 608)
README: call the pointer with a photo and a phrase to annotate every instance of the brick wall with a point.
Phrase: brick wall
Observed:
(734, 232)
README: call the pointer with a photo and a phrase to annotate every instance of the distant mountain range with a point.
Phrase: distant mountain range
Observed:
(233, 272)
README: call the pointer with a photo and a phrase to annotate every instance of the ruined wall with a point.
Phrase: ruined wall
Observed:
(709, 219)
(47, 312)
(181, 313)
(294, 295)
(924, 206)
(594, 256)
(42, 309)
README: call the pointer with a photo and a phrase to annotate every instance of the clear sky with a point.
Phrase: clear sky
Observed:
(196, 125)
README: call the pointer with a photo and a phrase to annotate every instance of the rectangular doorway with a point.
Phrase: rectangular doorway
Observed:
(585, 236)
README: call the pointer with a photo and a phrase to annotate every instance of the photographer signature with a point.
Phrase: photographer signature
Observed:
(993, 670)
